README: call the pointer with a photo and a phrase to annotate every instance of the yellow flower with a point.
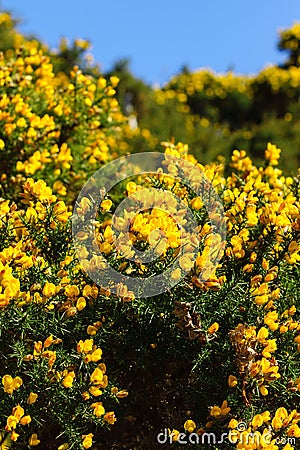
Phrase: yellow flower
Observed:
(131, 187)
(101, 83)
(11, 384)
(32, 398)
(48, 341)
(186, 262)
(114, 81)
(283, 329)
(257, 421)
(263, 390)
(33, 440)
(87, 440)
(68, 379)
(262, 334)
(81, 303)
(21, 123)
(72, 291)
(233, 423)
(232, 381)
(266, 416)
(105, 248)
(294, 430)
(13, 436)
(110, 92)
(60, 188)
(281, 413)
(11, 423)
(197, 203)
(213, 328)
(91, 330)
(85, 395)
(271, 320)
(95, 391)
(37, 190)
(37, 349)
(18, 412)
(110, 417)
(60, 212)
(270, 348)
(293, 247)
(292, 310)
(98, 409)
(85, 346)
(49, 289)
(189, 426)
(272, 154)
(81, 43)
(96, 355)
(106, 205)
(122, 394)
(25, 420)
(176, 274)
(174, 435)
(97, 376)
(217, 411)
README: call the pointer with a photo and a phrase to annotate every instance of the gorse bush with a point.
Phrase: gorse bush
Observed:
(90, 365)
(41, 117)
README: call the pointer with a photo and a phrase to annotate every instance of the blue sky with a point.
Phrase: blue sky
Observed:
(162, 35)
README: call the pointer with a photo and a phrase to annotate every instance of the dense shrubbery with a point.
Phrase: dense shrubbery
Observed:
(83, 368)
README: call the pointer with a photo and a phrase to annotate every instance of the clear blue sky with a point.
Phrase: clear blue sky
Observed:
(160, 36)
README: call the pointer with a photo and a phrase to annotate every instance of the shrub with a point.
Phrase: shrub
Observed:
(87, 365)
